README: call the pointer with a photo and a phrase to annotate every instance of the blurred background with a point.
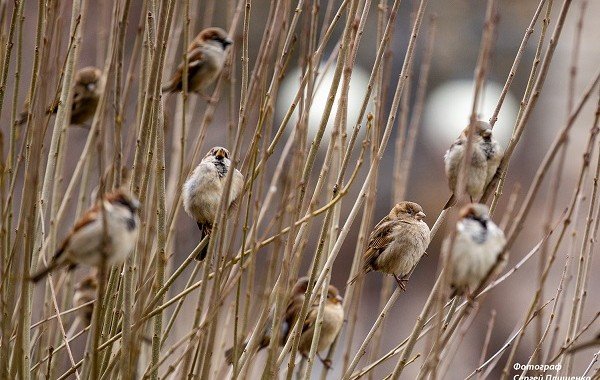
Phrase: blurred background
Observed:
(447, 106)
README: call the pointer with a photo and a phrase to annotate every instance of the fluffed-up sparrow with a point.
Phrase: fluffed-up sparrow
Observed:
(203, 189)
(486, 156)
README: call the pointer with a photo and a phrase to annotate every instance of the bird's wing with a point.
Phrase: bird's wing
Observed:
(379, 239)
(77, 95)
(196, 58)
(89, 217)
(78, 105)
(291, 313)
(310, 320)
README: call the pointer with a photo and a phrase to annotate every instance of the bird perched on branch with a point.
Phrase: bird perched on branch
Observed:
(93, 240)
(86, 95)
(476, 248)
(206, 57)
(397, 243)
(202, 191)
(486, 156)
(333, 319)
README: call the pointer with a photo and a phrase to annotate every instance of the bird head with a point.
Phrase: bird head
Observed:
(123, 198)
(407, 209)
(481, 129)
(333, 295)
(475, 211)
(218, 152)
(215, 36)
(88, 78)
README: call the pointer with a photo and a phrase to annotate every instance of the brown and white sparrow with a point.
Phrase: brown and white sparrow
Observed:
(203, 189)
(486, 157)
(90, 243)
(206, 57)
(85, 292)
(397, 243)
(333, 319)
(86, 95)
(477, 245)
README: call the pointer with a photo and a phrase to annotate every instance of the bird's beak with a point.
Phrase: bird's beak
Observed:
(487, 133)
(227, 41)
(91, 87)
(339, 299)
(220, 154)
(420, 215)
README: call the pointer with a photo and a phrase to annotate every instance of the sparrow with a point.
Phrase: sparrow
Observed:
(90, 243)
(85, 291)
(206, 57)
(477, 245)
(485, 159)
(203, 189)
(333, 319)
(86, 95)
(397, 243)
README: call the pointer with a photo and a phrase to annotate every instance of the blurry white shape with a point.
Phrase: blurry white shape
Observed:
(356, 94)
(448, 108)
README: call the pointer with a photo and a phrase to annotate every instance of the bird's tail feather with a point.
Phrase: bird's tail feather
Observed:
(358, 275)
(229, 353)
(450, 202)
(40, 274)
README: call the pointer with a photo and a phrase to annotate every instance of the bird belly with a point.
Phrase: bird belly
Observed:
(477, 170)
(85, 111)
(333, 319)
(84, 246)
(91, 243)
(476, 183)
(201, 197)
(471, 263)
(397, 261)
(203, 78)
(123, 244)
(332, 324)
